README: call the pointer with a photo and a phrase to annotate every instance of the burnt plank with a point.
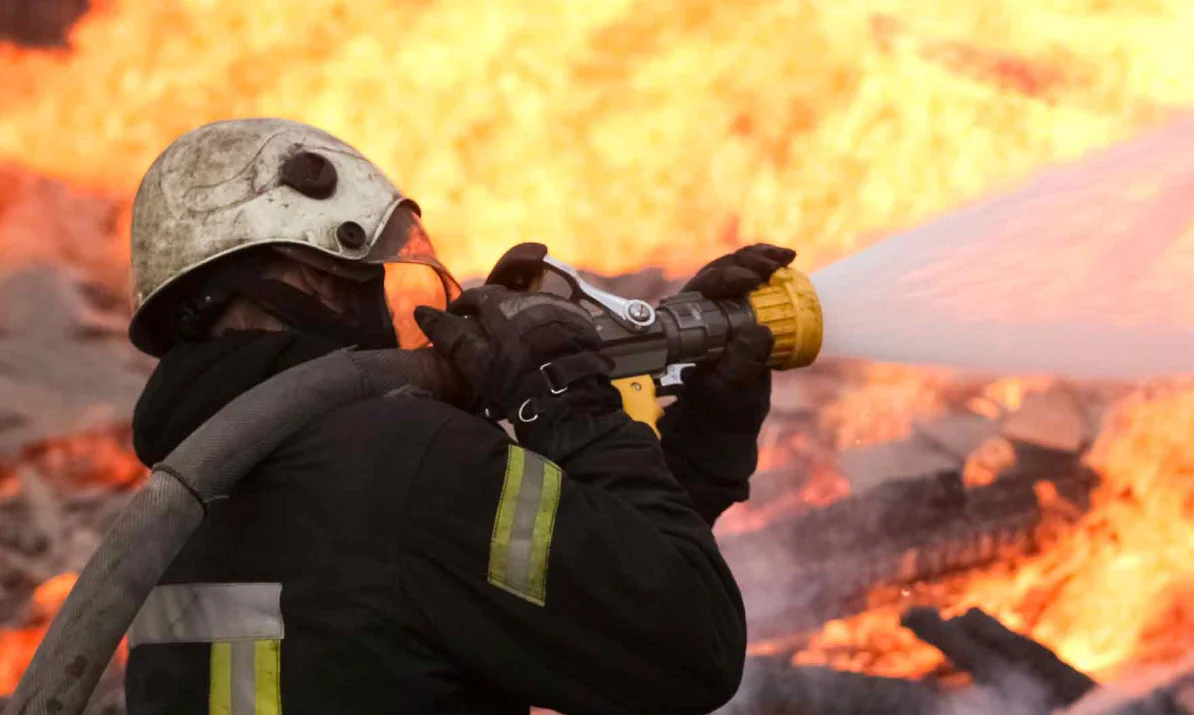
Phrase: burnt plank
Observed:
(800, 571)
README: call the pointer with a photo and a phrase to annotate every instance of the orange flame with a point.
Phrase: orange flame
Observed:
(614, 131)
(1108, 595)
(18, 644)
(624, 134)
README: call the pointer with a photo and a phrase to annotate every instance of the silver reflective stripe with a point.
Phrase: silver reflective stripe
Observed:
(244, 672)
(526, 507)
(209, 612)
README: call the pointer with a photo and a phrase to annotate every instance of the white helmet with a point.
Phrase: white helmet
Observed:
(234, 185)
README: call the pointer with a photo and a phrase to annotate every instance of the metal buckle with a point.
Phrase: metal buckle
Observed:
(547, 379)
(523, 418)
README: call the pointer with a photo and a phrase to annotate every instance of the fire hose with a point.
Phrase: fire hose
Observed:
(649, 346)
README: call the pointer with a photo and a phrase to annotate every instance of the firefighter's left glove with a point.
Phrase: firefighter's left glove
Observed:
(516, 352)
(736, 389)
(710, 434)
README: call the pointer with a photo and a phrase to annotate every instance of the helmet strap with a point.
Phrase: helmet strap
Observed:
(304, 313)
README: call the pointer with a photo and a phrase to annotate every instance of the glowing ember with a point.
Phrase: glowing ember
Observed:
(89, 459)
(18, 644)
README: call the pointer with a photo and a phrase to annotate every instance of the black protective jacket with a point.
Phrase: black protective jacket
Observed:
(402, 556)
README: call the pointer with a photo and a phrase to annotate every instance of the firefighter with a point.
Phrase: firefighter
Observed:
(400, 554)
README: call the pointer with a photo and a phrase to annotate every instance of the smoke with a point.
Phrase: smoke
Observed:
(772, 687)
(1008, 693)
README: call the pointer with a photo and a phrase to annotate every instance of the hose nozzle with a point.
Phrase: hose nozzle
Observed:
(789, 307)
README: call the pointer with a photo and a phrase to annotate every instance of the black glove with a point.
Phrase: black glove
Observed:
(710, 435)
(740, 381)
(515, 351)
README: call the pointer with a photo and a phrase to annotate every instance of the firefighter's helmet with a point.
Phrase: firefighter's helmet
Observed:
(230, 186)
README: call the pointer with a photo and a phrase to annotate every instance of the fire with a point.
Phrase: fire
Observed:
(627, 134)
(612, 131)
(1109, 595)
(18, 644)
(85, 460)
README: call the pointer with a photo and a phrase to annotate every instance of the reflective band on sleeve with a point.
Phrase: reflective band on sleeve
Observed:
(245, 678)
(208, 612)
(220, 695)
(523, 527)
(268, 677)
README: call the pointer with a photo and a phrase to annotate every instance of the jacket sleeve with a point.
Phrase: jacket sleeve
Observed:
(711, 443)
(586, 584)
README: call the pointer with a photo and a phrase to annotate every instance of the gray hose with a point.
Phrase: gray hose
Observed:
(160, 519)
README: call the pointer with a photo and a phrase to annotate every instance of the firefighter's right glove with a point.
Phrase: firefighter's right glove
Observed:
(519, 354)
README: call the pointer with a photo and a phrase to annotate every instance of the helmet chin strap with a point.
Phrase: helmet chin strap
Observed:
(307, 314)
(372, 330)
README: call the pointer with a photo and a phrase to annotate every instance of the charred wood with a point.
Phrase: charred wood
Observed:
(771, 686)
(797, 573)
(994, 655)
(1009, 673)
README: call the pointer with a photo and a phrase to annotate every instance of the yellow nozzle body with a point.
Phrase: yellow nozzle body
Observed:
(789, 307)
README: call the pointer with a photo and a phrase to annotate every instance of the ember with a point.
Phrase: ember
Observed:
(632, 135)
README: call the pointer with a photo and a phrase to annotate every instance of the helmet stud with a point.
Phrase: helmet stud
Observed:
(309, 174)
(350, 234)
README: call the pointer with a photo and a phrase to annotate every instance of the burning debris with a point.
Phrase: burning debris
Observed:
(1021, 675)
(821, 565)
(910, 516)
(58, 498)
(997, 657)
(65, 364)
(1004, 672)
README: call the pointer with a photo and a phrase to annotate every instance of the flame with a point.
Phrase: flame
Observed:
(884, 405)
(1109, 595)
(89, 459)
(17, 645)
(612, 131)
(616, 132)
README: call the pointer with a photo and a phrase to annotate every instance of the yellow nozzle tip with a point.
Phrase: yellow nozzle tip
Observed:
(789, 307)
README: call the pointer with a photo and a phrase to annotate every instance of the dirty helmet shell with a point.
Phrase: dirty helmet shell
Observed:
(235, 185)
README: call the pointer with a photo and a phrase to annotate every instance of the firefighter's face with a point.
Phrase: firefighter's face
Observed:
(337, 293)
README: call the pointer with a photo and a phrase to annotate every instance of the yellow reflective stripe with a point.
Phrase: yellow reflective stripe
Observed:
(220, 697)
(523, 527)
(269, 677)
(246, 678)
